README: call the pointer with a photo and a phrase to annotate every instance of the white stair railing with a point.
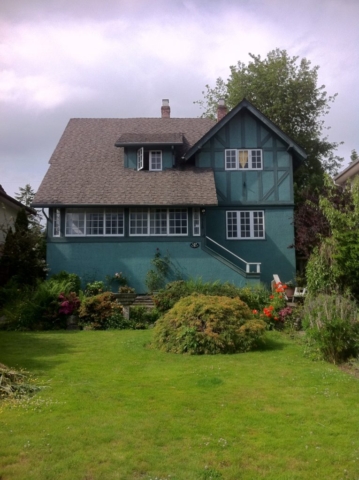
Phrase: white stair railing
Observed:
(248, 265)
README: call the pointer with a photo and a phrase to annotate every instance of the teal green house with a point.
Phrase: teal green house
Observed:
(216, 196)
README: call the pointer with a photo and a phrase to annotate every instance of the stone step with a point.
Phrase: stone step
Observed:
(143, 301)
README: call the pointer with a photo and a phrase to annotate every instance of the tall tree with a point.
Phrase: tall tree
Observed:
(286, 90)
(23, 254)
(26, 195)
(354, 156)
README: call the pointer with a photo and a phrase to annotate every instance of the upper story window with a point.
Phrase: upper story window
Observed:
(158, 221)
(156, 160)
(196, 219)
(56, 221)
(245, 224)
(94, 222)
(243, 159)
(140, 159)
(149, 160)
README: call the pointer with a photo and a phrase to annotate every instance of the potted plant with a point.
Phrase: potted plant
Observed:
(126, 296)
(289, 289)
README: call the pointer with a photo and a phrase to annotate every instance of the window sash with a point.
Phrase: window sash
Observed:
(158, 222)
(243, 159)
(155, 160)
(94, 222)
(196, 221)
(245, 224)
(140, 156)
(56, 223)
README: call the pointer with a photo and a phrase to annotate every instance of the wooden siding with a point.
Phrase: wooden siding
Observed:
(272, 185)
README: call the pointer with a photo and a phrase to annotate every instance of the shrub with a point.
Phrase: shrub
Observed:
(40, 310)
(255, 298)
(331, 321)
(11, 291)
(200, 324)
(141, 317)
(94, 288)
(70, 278)
(96, 311)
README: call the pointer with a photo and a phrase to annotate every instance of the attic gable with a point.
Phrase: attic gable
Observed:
(245, 105)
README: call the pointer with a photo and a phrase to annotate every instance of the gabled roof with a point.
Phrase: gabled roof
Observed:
(14, 203)
(87, 169)
(245, 104)
(349, 172)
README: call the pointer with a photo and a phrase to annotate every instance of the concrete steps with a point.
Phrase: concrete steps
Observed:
(143, 301)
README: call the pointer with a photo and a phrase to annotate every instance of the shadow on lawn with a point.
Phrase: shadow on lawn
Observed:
(270, 344)
(34, 350)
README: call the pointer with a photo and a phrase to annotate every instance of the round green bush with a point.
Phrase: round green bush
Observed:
(202, 324)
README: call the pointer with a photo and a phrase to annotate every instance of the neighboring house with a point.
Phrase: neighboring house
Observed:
(348, 174)
(216, 196)
(9, 208)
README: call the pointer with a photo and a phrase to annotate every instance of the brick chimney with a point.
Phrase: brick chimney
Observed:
(221, 109)
(165, 109)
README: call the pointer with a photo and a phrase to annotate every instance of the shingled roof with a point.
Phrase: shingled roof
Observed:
(149, 139)
(87, 168)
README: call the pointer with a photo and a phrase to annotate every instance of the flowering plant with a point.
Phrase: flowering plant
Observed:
(126, 289)
(117, 278)
(69, 303)
(275, 313)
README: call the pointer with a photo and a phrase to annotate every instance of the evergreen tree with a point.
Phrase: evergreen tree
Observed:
(23, 254)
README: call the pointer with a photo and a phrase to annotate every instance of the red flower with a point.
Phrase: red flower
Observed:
(255, 312)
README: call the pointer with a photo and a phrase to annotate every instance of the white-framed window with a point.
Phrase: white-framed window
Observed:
(158, 221)
(155, 160)
(140, 155)
(245, 224)
(243, 159)
(56, 222)
(196, 221)
(94, 222)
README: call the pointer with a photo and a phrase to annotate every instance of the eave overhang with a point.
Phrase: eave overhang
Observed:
(12, 202)
(347, 173)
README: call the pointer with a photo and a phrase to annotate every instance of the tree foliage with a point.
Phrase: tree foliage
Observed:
(335, 264)
(354, 156)
(26, 195)
(286, 90)
(311, 224)
(23, 254)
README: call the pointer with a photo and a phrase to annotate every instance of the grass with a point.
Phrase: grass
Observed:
(115, 409)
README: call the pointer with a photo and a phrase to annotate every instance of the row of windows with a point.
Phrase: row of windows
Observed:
(234, 159)
(110, 222)
(240, 224)
(159, 221)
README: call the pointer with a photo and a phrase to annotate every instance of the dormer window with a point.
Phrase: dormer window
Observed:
(155, 160)
(243, 159)
(149, 160)
(140, 159)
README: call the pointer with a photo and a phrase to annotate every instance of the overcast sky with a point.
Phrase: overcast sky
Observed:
(61, 59)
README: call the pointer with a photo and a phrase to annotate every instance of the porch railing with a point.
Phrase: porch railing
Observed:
(250, 267)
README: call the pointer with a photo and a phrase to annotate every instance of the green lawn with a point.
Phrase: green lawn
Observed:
(115, 409)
